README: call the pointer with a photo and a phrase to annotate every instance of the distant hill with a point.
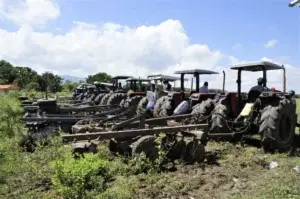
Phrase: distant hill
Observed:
(72, 78)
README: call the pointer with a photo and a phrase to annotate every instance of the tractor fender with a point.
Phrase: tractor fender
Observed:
(182, 108)
(151, 100)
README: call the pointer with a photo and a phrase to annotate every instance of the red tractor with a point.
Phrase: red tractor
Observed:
(155, 90)
(117, 94)
(166, 105)
(137, 88)
(271, 113)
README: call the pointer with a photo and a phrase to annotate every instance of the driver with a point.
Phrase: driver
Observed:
(167, 86)
(259, 87)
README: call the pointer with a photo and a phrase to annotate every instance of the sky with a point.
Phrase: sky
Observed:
(143, 37)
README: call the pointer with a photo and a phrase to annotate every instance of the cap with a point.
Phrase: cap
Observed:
(260, 79)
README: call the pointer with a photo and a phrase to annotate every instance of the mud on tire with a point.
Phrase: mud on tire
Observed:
(277, 126)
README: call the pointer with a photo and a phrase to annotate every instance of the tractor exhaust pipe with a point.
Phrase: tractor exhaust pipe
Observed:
(284, 80)
(224, 76)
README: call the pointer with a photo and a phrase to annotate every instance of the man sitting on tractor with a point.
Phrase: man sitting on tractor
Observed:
(259, 87)
(167, 85)
(204, 88)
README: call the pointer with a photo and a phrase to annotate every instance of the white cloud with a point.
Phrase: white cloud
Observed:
(271, 43)
(119, 49)
(30, 12)
(237, 46)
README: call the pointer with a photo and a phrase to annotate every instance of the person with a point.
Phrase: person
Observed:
(167, 86)
(259, 87)
(204, 88)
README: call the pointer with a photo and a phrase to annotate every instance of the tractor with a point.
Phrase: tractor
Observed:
(136, 92)
(270, 113)
(155, 90)
(166, 105)
(116, 95)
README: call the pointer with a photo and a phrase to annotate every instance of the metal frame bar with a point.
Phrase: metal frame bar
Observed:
(132, 133)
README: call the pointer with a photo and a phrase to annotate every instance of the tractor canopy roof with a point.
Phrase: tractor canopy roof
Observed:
(164, 77)
(138, 79)
(121, 77)
(83, 85)
(194, 71)
(91, 86)
(257, 66)
(105, 84)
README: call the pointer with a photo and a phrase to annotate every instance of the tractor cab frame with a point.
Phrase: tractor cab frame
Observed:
(160, 78)
(194, 95)
(116, 83)
(136, 86)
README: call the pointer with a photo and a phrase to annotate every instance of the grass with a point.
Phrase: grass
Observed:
(230, 171)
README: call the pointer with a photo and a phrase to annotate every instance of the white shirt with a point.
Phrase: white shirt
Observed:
(203, 89)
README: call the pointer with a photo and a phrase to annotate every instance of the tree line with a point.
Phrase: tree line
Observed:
(28, 79)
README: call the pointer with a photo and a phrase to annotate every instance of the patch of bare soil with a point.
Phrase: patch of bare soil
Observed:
(209, 180)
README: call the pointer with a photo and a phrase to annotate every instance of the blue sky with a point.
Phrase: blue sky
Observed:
(220, 24)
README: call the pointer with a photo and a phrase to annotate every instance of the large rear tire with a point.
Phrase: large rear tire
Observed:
(158, 104)
(104, 99)
(202, 110)
(133, 102)
(141, 107)
(277, 126)
(116, 98)
(218, 118)
(99, 97)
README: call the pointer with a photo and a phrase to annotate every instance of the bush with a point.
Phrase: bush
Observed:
(81, 178)
(10, 113)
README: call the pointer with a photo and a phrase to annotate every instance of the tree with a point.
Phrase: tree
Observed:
(25, 76)
(100, 77)
(69, 86)
(7, 72)
(50, 82)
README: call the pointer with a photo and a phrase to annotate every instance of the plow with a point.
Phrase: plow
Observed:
(235, 115)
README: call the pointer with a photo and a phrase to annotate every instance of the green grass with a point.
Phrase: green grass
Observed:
(231, 172)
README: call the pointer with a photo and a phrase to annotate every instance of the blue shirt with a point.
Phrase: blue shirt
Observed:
(203, 89)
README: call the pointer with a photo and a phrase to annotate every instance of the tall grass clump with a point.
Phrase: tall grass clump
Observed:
(10, 113)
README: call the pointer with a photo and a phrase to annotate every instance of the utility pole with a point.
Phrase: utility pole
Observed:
(294, 3)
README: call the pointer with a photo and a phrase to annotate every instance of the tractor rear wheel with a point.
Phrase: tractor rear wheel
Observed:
(277, 126)
(99, 97)
(158, 105)
(116, 98)
(202, 110)
(218, 118)
(104, 99)
(165, 109)
(133, 102)
(141, 107)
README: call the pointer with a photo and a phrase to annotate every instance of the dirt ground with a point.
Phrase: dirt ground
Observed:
(228, 172)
